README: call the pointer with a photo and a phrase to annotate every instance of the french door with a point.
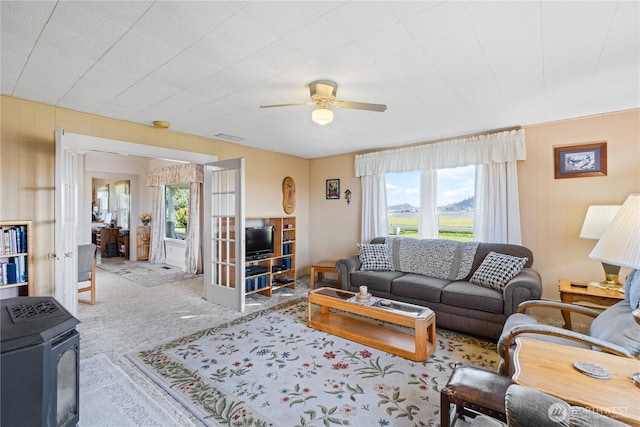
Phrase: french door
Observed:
(66, 224)
(224, 239)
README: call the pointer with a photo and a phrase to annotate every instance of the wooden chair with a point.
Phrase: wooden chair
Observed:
(87, 271)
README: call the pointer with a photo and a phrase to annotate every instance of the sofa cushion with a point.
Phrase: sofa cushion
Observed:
(419, 287)
(376, 281)
(466, 295)
(497, 269)
(375, 257)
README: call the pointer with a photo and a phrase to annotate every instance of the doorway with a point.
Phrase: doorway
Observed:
(68, 165)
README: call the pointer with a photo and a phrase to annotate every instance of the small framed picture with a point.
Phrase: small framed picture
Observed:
(333, 189)
(578, 161)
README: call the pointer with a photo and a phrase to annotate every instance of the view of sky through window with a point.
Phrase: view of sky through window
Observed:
(454, 185)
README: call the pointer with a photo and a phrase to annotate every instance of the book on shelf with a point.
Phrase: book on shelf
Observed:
(13, 239)
(13, 270)
(12, 273)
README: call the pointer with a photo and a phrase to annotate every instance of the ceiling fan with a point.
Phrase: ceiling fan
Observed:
(323, 94)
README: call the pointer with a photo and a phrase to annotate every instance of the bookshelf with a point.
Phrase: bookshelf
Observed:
(281, 265)
(16, 258)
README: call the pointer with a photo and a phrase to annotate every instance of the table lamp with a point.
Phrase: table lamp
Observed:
(619, 245)
(596, 221)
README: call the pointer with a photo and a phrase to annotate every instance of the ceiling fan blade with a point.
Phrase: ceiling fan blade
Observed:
(360, 105)
(288, 105)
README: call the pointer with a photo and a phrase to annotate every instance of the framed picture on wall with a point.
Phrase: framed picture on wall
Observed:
(582, 160)
(333, 189)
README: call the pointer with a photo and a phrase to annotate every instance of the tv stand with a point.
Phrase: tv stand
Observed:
(266, 273)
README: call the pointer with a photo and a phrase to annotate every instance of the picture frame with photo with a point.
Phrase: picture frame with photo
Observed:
(333, 189)
(580, 160)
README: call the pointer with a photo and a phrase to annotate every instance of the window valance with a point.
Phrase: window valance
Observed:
(497, 147)
(178, 174)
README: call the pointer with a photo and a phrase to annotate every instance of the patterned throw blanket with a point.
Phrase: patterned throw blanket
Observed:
(444, 259)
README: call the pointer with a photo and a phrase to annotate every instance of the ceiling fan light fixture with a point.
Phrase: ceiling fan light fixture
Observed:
(322, 116)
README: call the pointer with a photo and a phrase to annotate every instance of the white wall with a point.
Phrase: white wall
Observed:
(175, 252)
(113, 168)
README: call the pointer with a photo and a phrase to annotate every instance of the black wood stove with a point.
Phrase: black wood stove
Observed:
(39, 363)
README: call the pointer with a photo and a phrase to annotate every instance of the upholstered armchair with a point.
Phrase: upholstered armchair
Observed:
(87, 271)
(613, 330)
(526, 407)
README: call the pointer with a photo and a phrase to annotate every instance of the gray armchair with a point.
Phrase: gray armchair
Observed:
(87, 271)
(526, 407)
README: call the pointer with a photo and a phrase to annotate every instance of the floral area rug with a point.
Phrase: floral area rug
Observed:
(269, 369)
(147, 274)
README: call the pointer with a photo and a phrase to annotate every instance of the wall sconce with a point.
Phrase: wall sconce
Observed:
(347, 195)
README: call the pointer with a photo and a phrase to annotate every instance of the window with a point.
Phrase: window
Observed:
(176, 208)
(121, 190)
(455, 201)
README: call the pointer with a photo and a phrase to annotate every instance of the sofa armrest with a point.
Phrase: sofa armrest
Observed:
(346, 266)
(527, 285)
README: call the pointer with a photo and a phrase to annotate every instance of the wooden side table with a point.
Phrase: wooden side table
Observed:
(554, 374)
(591, 294)
(143, 242)
(322, 267)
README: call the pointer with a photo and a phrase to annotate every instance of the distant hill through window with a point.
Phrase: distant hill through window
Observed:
(455, 213)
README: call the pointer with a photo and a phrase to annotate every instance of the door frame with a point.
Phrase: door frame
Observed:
(79, 144)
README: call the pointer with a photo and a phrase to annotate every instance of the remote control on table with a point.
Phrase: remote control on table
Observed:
(579, 285)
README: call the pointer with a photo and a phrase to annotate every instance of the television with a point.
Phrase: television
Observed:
(259, 241)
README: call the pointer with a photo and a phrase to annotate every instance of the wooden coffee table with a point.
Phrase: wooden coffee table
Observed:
(554, 374)
(373, 325)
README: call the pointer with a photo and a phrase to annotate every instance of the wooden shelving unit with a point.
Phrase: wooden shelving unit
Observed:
(123, 245)
(16, 259)
(143, 242)
(103, 237)
(281, 266)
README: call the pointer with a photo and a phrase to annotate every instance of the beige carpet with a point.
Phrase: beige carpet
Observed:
(146, 273)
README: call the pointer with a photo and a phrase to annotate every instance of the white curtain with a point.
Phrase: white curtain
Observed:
(502, 149)
(190, 173)
(374, 207)
(428, 218)
(156, 249)
(507, 146)
(192, 254)
(497, 207)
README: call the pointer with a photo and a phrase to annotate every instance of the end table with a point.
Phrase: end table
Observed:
(591, 294)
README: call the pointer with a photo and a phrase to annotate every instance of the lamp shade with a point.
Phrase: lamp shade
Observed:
(322, 116)
(620, 242)
(597, 220)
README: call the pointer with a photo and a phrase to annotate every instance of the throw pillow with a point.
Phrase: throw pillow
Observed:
(497, 269)
(375, 257)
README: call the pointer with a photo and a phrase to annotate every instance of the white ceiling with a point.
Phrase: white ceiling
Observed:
(444, 69)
